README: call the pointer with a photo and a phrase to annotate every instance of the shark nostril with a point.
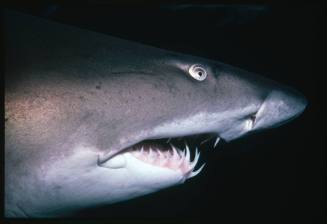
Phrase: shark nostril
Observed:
(253, 117)
(250, 121)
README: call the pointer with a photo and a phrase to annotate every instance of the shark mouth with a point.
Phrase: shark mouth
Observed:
(173, 153)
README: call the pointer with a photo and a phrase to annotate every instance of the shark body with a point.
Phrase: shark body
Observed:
(90, 117)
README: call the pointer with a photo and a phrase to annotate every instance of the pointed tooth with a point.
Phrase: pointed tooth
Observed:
(155, 155)
(180, 162)
(180, 152)
(187, 155)
(160, 155)
(142, 150)
(204, 141)
(216, 142)
(146, 155)
(175, 154)
(150, 153)
(175, 148)
(172, 146)
(194, 173)
(195, 160)
(186, 146)
(184, 153)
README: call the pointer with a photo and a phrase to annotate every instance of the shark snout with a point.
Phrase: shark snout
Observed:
(279, 107)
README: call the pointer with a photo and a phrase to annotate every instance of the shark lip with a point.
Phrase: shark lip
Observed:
(164, 145)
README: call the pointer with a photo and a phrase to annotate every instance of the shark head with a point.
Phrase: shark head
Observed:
(180, 98)
(76, 140)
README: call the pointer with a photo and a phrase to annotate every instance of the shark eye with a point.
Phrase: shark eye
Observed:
(198, 72)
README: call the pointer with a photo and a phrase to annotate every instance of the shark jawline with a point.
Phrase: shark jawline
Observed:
(172, 147)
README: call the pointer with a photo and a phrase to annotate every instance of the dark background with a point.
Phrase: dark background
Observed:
(277, 176)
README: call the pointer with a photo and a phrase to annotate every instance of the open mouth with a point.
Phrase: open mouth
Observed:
(179, 154)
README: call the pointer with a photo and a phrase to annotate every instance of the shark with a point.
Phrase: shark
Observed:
(92, 119)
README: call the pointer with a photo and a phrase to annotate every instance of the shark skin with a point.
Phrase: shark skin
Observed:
(91, 119)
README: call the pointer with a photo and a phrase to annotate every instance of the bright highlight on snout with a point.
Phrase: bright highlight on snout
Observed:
(279, 107)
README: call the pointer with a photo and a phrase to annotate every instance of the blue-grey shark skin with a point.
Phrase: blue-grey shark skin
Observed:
(74, 99)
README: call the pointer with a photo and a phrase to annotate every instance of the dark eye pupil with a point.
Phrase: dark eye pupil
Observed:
(200, 73)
